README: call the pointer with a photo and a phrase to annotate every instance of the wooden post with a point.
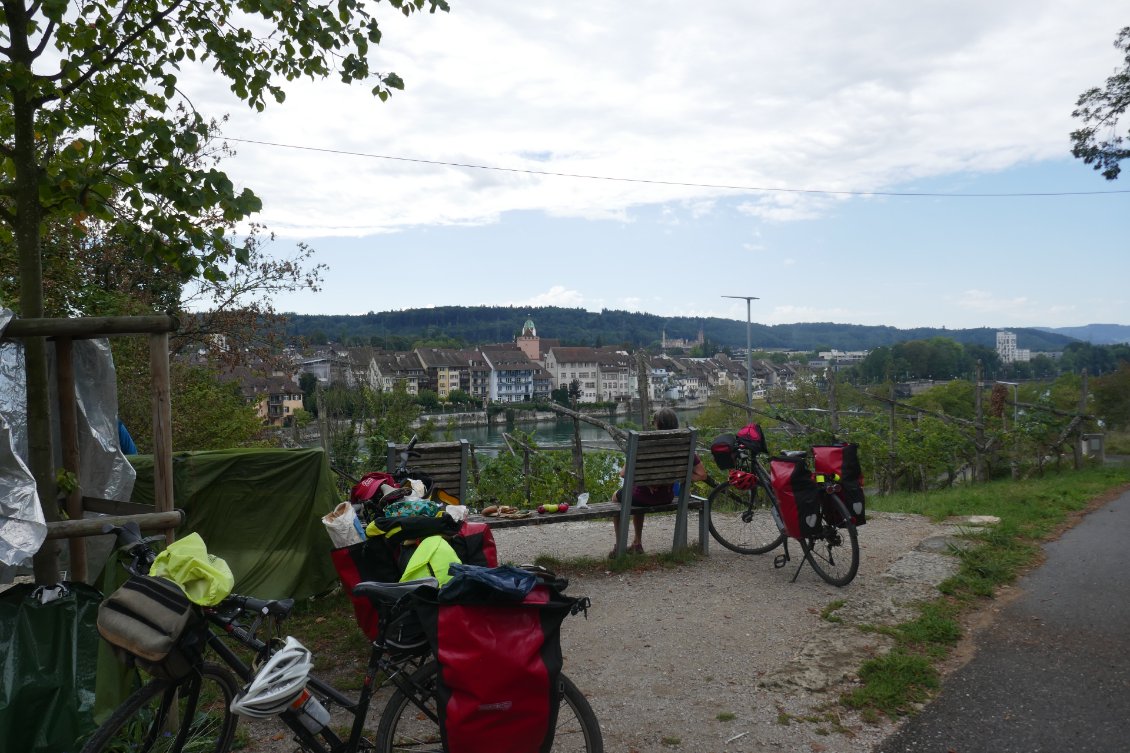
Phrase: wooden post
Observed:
(68, 440)
(834, 415)
(979, 416)
(1076, 447)
(578, 456)
(642, 367)
(323, 420)
(891, 459)
(162, 428)
(526, 470)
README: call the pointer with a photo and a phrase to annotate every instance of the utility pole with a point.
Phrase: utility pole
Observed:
(748, 347)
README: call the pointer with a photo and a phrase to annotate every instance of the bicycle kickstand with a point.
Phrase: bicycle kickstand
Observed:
(783, 559)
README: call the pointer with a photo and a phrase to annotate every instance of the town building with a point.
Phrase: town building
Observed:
(1007, 350)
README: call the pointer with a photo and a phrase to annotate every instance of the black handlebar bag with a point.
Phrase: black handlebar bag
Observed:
(495, 634)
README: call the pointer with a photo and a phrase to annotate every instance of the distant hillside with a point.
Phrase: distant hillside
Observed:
(1097, 334)
(490, 324)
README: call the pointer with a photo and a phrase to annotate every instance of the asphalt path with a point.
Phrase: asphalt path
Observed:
(1052, 672)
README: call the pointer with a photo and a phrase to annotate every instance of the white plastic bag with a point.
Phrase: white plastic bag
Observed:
(340, 527)
(582, 500)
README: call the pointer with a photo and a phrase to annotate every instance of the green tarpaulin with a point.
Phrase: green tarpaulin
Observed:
(47, 652)
(259, 509)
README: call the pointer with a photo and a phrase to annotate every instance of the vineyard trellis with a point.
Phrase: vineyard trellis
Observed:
(908, 446)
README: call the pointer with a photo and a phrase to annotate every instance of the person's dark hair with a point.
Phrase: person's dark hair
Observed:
(665, 418)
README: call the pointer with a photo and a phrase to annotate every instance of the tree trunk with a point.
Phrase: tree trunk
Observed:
(28, 216)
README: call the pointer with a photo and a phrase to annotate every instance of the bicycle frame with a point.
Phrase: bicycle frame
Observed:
(381, 660)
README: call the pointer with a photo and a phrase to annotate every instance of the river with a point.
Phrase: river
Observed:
(548, 434)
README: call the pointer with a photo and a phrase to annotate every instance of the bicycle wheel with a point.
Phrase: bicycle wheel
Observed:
(834, 551)
(160, 717)
(742, 520)
(404, 727)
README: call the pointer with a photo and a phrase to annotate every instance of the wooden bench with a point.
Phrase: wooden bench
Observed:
(445, 462)
(653, 458)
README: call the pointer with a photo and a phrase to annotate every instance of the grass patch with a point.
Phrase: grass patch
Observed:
(893, 684)
(828, 613)
(672, 741)
(1030, 511)
(726, 716)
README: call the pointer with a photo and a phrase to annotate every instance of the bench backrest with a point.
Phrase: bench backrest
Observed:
(445, 462)
(660, 457)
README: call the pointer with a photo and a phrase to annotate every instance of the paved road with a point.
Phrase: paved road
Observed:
(1052, 674)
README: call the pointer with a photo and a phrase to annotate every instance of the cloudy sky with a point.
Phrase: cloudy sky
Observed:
(849, 162)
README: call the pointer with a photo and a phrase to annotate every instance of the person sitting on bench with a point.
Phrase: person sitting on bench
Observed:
(645, 496)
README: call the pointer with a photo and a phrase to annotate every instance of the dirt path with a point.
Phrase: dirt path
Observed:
(723, 654)
(726, 654)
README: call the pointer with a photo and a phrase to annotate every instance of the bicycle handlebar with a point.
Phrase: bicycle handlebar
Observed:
(129, 537)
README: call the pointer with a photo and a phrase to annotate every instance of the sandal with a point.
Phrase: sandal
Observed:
(636, 549)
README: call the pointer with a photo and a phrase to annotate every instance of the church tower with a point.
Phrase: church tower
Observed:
(529, 342)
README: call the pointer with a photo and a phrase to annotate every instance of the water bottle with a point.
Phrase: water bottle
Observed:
(310, 712)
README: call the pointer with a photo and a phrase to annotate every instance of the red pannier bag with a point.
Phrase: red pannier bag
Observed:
(841, 462)
(373, 559)
(798, 496)
(499, 662)
(378, 559)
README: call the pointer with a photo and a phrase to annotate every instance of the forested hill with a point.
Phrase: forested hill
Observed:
(463, 325)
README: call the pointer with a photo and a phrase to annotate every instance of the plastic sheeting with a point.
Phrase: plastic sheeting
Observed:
(22, 527)
(259, 509)
(103, 472)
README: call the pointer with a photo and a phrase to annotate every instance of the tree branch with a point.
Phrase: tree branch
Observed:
(110, 57)
(47, 33)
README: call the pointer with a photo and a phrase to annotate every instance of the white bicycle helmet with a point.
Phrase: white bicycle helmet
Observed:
(277, 683)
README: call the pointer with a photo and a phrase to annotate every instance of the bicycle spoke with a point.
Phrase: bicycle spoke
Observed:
(834, 551)
(741, 521)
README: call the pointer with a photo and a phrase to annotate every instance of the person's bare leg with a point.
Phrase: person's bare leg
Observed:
(637, 524)
(615, 530)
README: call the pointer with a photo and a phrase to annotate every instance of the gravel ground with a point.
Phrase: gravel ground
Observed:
(726, 654)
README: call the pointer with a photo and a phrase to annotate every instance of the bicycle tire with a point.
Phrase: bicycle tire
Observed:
(742, 521)
(202, 723)
(403, 728)
(834, 559)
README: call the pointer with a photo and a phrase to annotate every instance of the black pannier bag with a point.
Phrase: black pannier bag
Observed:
(840, 462)
(383, 558)
(724, 449)
(150, 622)
(499, 657)
(798, 496)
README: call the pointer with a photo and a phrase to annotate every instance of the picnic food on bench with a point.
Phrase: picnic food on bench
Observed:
(563, 507)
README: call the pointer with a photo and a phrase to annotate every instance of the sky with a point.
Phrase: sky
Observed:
(658, 156)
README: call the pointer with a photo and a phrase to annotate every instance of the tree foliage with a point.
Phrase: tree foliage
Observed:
(1100, 141)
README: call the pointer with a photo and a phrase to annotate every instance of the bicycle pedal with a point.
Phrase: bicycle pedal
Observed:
(780, 561)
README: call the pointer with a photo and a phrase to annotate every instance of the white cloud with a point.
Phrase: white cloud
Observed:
(798, 95)
(558, 295)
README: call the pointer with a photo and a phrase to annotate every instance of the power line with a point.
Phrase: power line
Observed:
(680, 184)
